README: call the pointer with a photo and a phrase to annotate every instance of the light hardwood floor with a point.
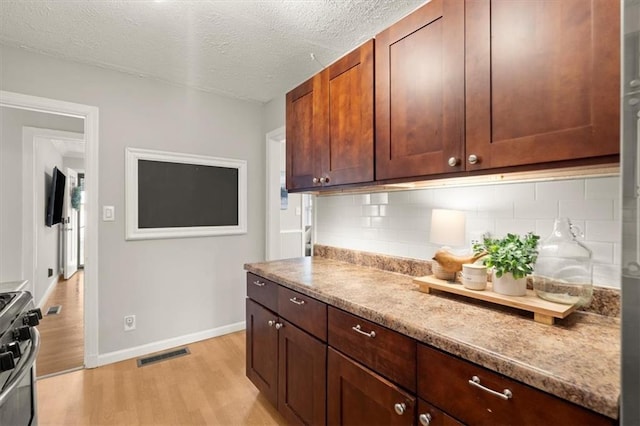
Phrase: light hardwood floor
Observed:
(207, 387)
(62, 335)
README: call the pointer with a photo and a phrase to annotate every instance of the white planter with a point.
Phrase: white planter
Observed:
(509, 286)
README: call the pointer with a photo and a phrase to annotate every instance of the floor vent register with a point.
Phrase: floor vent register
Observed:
(163, 356)
(54, 310)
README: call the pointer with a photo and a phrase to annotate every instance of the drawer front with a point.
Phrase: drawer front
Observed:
(463, 390)
(385, 351)
(306, 312)
(263, 291)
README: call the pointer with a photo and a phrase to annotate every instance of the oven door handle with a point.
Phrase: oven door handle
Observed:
(24, 369)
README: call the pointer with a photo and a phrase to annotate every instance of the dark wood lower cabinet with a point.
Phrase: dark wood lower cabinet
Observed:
(358, 396)
(262, 350)
(288, 365)
(302, 376)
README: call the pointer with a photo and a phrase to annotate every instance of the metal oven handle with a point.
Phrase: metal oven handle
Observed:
(24, 369)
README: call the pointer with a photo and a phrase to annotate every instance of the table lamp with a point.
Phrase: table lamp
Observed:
(447, 229)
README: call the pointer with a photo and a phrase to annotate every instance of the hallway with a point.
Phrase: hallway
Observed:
(62, 334)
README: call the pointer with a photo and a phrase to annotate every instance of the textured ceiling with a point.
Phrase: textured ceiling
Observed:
(248, 49)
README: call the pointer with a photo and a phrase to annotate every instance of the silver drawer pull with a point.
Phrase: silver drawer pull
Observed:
(271, 323)
(258, 283)
(505, 394)
(358, 329)
(400, 408)
(296, 301)
(279, 325)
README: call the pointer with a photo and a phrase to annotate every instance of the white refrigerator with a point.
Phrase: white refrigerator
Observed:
(630, 178)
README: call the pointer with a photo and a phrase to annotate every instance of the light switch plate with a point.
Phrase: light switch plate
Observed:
(108, 213)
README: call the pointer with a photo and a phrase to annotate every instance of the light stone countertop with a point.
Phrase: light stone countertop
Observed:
(577, 359)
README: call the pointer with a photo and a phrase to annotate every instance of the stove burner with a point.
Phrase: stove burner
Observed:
(5, 298)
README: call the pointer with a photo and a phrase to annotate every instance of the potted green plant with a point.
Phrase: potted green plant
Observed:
(512, 259)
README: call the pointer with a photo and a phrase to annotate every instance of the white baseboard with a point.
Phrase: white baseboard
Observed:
(52, 286)
(162, 345)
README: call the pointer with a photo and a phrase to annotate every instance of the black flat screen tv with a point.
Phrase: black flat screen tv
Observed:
(55, 198)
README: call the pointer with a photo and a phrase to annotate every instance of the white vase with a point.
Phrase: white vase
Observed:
(509, 286)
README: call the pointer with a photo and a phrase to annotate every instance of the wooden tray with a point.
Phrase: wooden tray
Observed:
(543, 311)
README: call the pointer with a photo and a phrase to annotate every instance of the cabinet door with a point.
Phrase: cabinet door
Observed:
(306, 130)
(302, 377)
(542, 80)
(348, 156)
(262, 350)
(420, 92)
(358, 396)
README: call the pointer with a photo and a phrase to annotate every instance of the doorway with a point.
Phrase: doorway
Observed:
(90, 297)
(289, 218)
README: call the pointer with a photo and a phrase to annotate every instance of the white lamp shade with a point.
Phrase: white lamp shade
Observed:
(447, 227)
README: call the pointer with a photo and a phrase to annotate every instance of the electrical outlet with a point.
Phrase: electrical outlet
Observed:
(49, 272)
(129, 322)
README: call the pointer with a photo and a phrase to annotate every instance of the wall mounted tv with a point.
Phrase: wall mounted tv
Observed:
(55, 198)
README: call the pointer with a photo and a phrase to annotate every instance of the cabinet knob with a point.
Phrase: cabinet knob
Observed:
(316, 180)
(425, 419)
(473, 159)
(271, 323)
(400, 408)
(324, 179)
(453, 161)
(279, 325)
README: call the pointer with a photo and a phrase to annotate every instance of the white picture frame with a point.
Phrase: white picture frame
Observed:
(133, 156)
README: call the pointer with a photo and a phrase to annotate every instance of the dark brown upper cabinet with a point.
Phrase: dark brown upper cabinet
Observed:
(330, 124)
(420, 92)
(542, 81)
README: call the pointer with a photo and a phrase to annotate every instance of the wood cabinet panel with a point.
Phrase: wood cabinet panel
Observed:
(388, 353)
(263, 291)
(358, 396)
(262, 350)
(306, 132)
(349, 155)
(542, 81)
(304, 311)
(302, 376)
(444, 380)
(420, 92)
(429, 415)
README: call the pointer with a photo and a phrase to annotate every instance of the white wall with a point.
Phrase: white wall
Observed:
(74, 163)
(11, 217)
(397, 223)
(175, 287)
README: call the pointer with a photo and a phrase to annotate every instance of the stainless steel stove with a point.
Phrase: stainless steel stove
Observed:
(19, 345)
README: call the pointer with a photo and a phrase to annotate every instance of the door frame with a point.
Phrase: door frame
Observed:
(272, 179)
(90, 116)
(30, 223)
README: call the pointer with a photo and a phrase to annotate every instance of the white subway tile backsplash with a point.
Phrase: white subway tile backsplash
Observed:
(398, 223)
(587, 209)
(515, 191)
(379, 198)
(601, 252)
(603, 230)
(560, 190)
(602, 188)
(370, 211)
(514, 226)
(536, 209)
